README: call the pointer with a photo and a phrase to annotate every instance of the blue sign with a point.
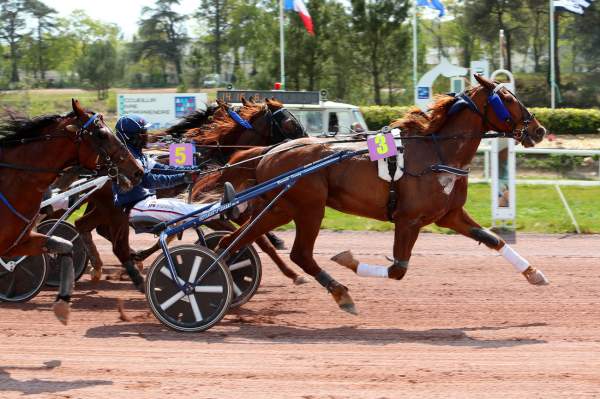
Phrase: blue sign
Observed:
(184, 106)
(423, 93)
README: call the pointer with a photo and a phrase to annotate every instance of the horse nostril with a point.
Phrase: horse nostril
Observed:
(540, 132)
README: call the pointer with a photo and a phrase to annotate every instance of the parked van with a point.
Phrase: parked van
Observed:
(319, 116)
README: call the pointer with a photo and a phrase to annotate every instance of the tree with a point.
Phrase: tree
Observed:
(215, 13)
(162, 34)
(12, 30)
(487, 17)
(374, 23)
(44, 16)
(98, 66)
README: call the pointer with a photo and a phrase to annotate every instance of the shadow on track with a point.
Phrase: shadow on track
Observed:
(37, 386)
(288, 334)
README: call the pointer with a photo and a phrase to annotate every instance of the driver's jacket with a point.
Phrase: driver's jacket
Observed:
(156, 176)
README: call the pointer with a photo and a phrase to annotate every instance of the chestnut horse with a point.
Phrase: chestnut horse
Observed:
(34, 152)
(220, 136)
(441, 144)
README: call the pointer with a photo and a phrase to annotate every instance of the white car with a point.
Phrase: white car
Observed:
(319, 117)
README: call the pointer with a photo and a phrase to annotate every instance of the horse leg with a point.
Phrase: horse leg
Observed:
(263, 243)
(84, 226)
(118, 231)
(37, 244)
(405, 237)
(461, 222)
(307, 229)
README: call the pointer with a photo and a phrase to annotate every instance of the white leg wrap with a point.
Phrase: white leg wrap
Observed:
(365, 270)
(514, 258)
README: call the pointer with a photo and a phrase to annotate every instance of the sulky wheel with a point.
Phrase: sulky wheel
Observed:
(68, 232)
(196, 308)
(245, 268)
(26, 279)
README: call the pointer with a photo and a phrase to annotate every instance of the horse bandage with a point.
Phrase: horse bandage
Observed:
(514, 258)
(365, 270)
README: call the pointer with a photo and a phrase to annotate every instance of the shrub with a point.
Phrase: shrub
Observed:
(557, 121)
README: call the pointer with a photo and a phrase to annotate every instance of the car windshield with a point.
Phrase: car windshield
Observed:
(359, 119)
(312, 120)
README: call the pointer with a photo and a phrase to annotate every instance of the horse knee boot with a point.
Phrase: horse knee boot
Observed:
(58, 245)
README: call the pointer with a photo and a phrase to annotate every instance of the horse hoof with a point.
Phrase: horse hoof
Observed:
(96, 275)
(345, 259)
(350, 308)
(535, 276)
(299, 280)
(62, 310)
(343, 299)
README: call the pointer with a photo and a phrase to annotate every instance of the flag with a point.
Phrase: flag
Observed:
(435, 4)
(300, 8)
(574, 6)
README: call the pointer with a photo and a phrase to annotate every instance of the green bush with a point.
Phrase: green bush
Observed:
(557, 121)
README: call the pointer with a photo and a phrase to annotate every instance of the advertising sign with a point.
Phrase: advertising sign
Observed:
(162, 110)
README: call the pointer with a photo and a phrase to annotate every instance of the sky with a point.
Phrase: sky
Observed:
(124, 13)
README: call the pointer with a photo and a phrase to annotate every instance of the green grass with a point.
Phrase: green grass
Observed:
(539, 210)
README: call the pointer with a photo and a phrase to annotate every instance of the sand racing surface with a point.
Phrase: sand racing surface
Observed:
(462, 324)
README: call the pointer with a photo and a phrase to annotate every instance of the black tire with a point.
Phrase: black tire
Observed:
(212, 303)
(246, 269)
(25, 281)
(80, 259)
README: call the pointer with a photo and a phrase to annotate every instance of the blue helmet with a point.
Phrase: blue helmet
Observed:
(130, 126)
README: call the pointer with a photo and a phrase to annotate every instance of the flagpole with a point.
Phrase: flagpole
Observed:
(415, 49)
(281, 45)
(552, 62)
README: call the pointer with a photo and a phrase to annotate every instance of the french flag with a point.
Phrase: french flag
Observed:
(300, 8)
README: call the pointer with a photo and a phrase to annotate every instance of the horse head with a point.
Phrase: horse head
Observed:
(505, 113)
(95, 139)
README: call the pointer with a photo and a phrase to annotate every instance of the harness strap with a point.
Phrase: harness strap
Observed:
(12, 208)
(439, 168)
(392, 164)
(28, 168)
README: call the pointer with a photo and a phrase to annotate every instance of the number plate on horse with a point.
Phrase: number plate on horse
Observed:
(181, 155)
(381, 146)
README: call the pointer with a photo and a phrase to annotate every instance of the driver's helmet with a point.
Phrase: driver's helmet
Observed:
(130, 129)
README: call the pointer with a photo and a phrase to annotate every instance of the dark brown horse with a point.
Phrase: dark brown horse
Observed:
(220, 136)
(426, 193)
(33, 152)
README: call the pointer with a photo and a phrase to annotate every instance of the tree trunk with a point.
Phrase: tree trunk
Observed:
(507, 38)
(14, 77)
(217, 48)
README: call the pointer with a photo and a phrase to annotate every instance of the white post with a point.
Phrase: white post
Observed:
(501, 48)
(415, 48)
(281, 45)
(552, 63)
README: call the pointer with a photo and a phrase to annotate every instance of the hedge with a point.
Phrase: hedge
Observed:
(557, 121)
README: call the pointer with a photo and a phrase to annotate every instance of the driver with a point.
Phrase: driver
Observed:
(141, 200)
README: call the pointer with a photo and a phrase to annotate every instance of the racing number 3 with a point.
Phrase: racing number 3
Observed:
(382, 146)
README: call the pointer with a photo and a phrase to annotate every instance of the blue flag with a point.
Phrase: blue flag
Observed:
(435, 4)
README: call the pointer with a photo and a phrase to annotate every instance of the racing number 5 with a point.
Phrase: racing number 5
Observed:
(382, 147)
(180, 156)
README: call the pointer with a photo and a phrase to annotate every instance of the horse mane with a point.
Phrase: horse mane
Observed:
(193, 120)
(422, 123)
(15, 127)
(223, 125)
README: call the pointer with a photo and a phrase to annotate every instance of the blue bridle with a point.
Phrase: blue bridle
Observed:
(239, 120)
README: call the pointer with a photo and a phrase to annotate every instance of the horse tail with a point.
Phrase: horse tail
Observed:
(241, 174)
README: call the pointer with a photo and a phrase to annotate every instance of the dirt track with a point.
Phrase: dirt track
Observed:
(462, 324)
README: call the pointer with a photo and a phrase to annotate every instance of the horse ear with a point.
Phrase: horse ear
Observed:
(77, 109)
(221, 103)
(245, 102)
(485, 82)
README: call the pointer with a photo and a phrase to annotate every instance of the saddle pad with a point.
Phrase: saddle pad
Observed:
(383, 167)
